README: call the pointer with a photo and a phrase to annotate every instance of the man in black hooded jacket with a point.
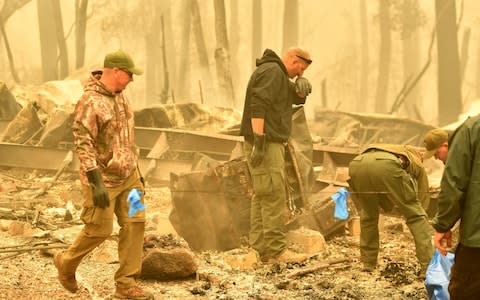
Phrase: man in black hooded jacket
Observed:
(266, 126)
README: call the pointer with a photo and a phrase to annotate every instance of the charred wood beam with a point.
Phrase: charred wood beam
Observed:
(179, 142)
(218, 146)
(332, 156)
(33, 157)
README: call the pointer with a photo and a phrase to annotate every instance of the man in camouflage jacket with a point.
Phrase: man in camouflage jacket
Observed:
(103, 130)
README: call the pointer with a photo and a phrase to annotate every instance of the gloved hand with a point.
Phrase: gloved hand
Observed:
(99, 191)
(258, 151)
(341, 207)
(303, 86)
(133, 200)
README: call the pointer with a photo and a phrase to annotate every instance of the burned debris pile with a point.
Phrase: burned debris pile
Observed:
(184, 146)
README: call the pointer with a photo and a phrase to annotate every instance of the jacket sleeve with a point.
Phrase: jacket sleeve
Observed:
(423, 188)
(85, 130)
(417, 171)
(455, 180)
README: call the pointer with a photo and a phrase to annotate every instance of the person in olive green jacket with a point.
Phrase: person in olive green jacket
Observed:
(384, 176)
(459, 200)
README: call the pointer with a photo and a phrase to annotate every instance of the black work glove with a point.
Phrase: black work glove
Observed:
(303, 86)
(142, 179)
(99, 191)
(258, 151)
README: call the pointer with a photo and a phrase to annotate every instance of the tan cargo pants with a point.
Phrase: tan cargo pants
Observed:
(99, 226)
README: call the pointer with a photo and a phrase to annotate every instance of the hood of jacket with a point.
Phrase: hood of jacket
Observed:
(270, 56)
(95, 85)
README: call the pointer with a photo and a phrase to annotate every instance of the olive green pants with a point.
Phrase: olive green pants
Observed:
(99, 226)
(267, 213)
(378, 180)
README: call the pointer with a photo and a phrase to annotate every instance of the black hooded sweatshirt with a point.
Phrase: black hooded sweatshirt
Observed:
(270, 95)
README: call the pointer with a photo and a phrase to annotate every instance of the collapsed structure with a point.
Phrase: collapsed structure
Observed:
(196, 151)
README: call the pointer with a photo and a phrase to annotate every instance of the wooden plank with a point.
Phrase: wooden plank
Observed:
(213, 144)
(32, 157)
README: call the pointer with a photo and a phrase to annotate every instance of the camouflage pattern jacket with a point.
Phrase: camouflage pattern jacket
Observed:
(103, 130)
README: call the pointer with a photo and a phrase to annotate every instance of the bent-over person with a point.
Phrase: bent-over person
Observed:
(384, 176)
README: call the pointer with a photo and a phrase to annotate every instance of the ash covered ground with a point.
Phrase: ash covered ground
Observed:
(32, 275)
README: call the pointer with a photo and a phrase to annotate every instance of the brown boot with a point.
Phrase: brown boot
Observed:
(134, 293)
(288, 256)
(67, 279)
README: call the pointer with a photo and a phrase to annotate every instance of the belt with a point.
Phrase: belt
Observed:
(402, 159)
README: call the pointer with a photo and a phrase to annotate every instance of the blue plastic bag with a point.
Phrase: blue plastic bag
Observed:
(438, 275)
(340, 198)
(133, 200)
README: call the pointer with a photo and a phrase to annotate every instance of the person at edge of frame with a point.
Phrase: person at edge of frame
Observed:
(459, 201)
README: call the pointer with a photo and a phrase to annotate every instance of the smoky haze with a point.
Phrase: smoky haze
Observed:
(344, 37)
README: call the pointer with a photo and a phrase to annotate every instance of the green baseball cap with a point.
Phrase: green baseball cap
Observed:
(433, 140)
(120, 59)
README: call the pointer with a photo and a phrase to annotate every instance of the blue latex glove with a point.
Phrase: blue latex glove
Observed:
(135, 205)
(340, 198)
(438, 275)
